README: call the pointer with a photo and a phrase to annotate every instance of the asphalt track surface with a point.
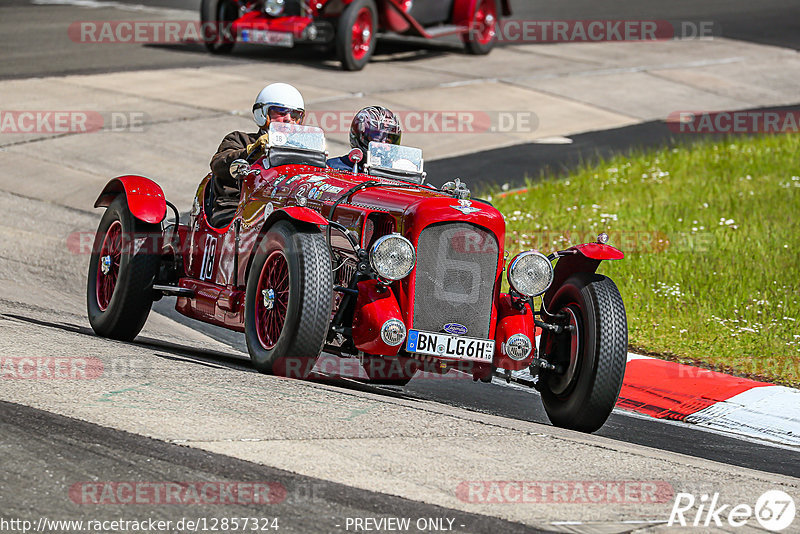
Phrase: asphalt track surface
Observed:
(34, 39)
(35, 444)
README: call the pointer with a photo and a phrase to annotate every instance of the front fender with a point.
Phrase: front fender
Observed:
(144, 197)
(298, 214)
(583, 258)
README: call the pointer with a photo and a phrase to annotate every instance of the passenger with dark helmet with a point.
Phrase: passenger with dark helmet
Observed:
(277, 102)
(373, 123)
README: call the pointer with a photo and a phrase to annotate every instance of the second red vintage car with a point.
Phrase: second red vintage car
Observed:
(376, 266)
(350, 26)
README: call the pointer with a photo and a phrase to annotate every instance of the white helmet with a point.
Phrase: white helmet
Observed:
(277, 94)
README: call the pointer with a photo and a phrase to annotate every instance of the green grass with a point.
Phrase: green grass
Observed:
(712, 241)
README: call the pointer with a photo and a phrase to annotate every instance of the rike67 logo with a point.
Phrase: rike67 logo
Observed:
(774, 510)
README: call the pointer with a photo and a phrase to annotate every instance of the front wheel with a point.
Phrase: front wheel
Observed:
(217, 17)
(288, 301)
(122, 270)
(355, 34)
(591, 353)
(482, 33)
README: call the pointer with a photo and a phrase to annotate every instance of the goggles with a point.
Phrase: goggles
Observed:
(279, 111)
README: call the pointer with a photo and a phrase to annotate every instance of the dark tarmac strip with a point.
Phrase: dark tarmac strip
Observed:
(511, 165)
(43, 455)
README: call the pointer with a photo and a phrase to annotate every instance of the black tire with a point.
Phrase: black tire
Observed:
(307, 305)
(215, 18)
(388, 371)
(344, 35)
(123, 316)
(474, 40)
(594, 358)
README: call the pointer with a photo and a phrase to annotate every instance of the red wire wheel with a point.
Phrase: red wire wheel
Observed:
(482, 33)
(363, 32)
(272, 300)
(355, 34)
(108, 265)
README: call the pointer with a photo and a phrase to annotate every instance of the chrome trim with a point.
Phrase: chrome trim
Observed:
(378, 242)
(516, 260)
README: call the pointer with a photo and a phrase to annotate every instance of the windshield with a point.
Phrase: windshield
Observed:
(395, 157)
(288, 135)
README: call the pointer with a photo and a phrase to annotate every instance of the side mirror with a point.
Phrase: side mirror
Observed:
(356, 155)
(239, 168)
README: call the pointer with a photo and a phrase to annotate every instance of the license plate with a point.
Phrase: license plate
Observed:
(449, 346)
(267, 37)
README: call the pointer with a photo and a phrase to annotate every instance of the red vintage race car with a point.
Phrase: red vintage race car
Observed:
(349, 26)
(376, 265)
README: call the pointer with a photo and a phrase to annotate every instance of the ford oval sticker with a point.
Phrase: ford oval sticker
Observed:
(455, 329)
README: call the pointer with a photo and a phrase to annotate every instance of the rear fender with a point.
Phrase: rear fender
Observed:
(463, 10)
(583, 258)
(144, 197)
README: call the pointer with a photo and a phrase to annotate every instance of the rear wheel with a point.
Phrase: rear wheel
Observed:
(122, 270)
(355, 34)
(288, 301)
(591, 354)
(482, 34)
(217, 17)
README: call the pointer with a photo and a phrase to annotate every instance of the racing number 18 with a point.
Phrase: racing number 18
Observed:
(207, 268)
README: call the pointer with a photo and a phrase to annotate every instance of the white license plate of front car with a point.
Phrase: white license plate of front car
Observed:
(267, 37)
(449, 346)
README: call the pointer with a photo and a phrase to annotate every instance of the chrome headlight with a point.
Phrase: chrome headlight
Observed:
(530, 273)
(392, 257)
(393, 332)
(518, 347)
(274, 8)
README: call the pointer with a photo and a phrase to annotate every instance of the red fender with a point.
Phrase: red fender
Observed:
(512, 321)
(585, 259)
(375, 305)
(144, 197)
(296, 213)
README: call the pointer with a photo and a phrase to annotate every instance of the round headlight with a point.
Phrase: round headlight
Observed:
(274, 8)
(393, 332)
(530, 273)
(518, 347)
(392, 257)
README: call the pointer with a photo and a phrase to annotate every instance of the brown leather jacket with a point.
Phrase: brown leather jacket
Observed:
(226, 188)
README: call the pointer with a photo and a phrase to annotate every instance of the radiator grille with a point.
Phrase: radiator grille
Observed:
(456, 269)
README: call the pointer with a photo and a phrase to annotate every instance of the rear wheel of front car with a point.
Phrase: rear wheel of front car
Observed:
(288, 300)
(482, 34)
(122, 270)
(592, 353)
(217, 17)
(355, 34)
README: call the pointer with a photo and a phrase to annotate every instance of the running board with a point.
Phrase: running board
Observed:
(441, 31)
(174, 291)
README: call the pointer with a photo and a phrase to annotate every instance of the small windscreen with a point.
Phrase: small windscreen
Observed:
(289, 135)
(405, 159)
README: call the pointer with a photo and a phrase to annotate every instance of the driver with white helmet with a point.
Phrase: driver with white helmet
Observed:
(277, 102)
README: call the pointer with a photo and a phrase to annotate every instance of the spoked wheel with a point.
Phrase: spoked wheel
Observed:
(122, 270)
(216, 17)
(591, 353)
(288, 301)
(482, 34)
(355, 35)
(389, 371)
